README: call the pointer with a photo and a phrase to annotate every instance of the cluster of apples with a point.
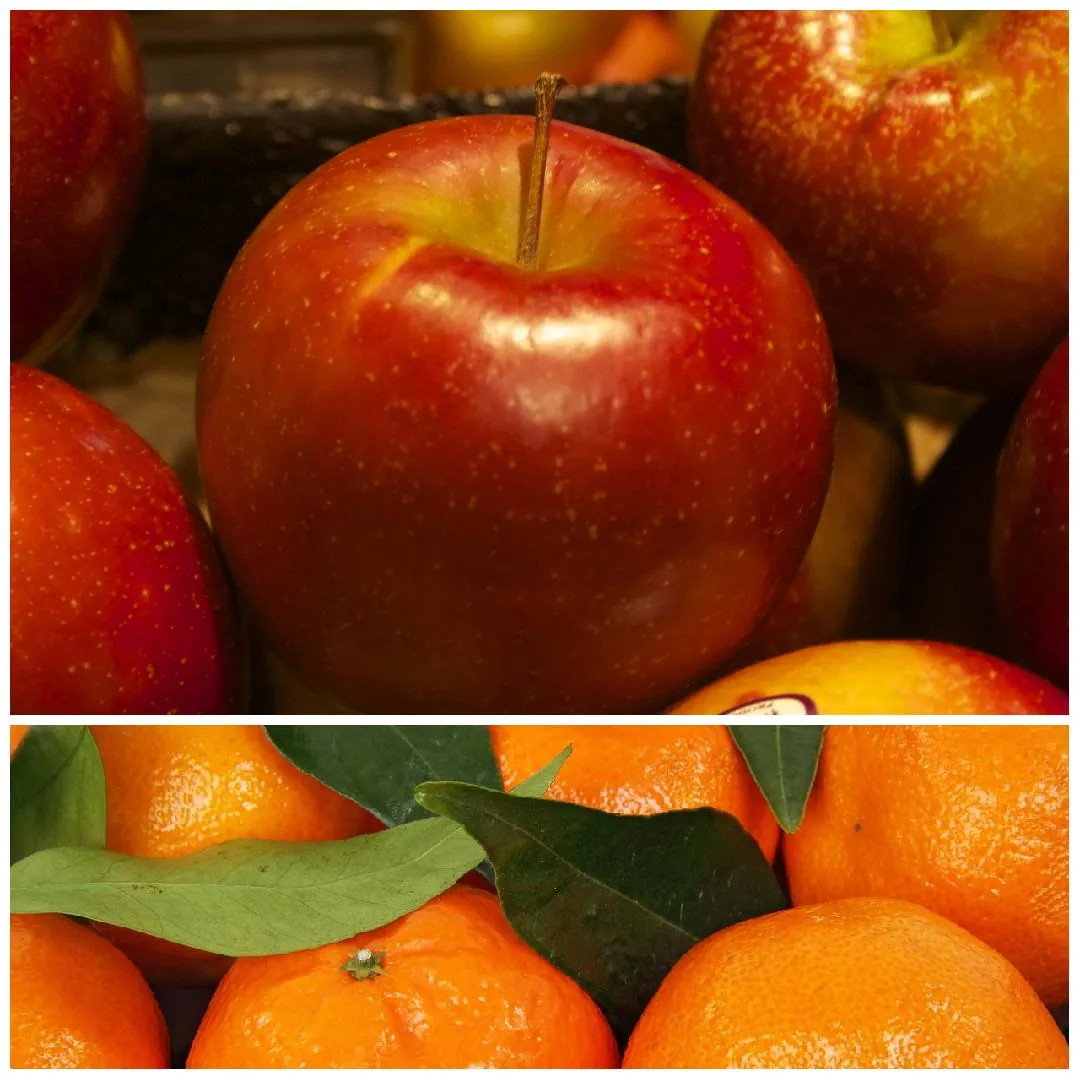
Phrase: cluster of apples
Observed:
(468, 450)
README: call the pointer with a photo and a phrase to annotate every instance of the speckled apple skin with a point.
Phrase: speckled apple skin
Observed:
(78, 143)
(886, 677)
(445, 483)
(925, 197)
(119, 603)
(1030, 533)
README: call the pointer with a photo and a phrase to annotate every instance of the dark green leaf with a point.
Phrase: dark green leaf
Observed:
(783, 759)
(380, 766)
(254, 897)
(57, 791)
(613, 900)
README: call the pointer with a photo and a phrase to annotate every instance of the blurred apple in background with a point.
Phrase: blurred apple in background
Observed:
(849, 583)
(948, 594)
(78, 142)
(915, 165)
(691, 28)
(646, 48)
(447, 481)
(1030, 537)
(863, 677)
(118, 601)
(485, 50)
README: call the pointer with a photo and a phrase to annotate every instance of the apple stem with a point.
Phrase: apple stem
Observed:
(547, 89)
(943, 39)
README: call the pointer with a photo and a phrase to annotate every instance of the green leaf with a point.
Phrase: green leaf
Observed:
(783, 759)
(253, 897)
(57, 790)
(256, 897)
(379, 767)
(613, 900)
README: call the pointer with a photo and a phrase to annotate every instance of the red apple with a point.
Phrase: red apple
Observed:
(915, 164)
(850, 581)
(78, 140)
(446, 482)
(118, 601)
(1030, 533)
(875, 677)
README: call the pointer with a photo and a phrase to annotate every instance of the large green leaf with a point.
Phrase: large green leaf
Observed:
(254, 897)
(380, 766)
(783, 759)
(613, 900)
(57, 791)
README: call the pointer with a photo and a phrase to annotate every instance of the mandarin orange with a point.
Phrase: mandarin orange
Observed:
(448, 986)
(640, 769)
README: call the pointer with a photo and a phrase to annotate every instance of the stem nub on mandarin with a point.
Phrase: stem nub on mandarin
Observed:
(547, 89)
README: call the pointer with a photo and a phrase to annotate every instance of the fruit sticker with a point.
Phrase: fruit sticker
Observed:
(781, 705)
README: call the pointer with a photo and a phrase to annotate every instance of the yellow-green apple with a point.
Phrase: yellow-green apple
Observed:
(78, 140)
(482, 50)
(1030, 532)
(948, 594)
(915, 164)
(866, 677)
(447, 479)
(119, 603)
(849, 583)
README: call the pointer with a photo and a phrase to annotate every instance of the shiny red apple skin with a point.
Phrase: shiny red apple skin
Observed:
(448, 484)
(1029, 542)
(925, 199)
(119, 603)
(78, 143)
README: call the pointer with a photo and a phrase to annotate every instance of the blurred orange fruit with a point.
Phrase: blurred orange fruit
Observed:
(175, 789)
(448, 986)
(972, 821)
(77, 1002)
(859, 983)
(640, 769)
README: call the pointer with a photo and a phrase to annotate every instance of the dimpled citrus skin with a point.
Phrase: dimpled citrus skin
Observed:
(874, 677)
(856, 983)
(175, 789)
(970, 821)
(77, 1002)
(458, 989)
(640, 769)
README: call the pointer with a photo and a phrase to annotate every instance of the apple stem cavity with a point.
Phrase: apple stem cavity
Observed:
(943, 38)
(547, 89)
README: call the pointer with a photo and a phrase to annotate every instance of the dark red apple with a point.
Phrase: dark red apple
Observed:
(948, 595)
(447, 482)
(915, 165)
(78, 140)
(119, 603)
(1030, 536)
